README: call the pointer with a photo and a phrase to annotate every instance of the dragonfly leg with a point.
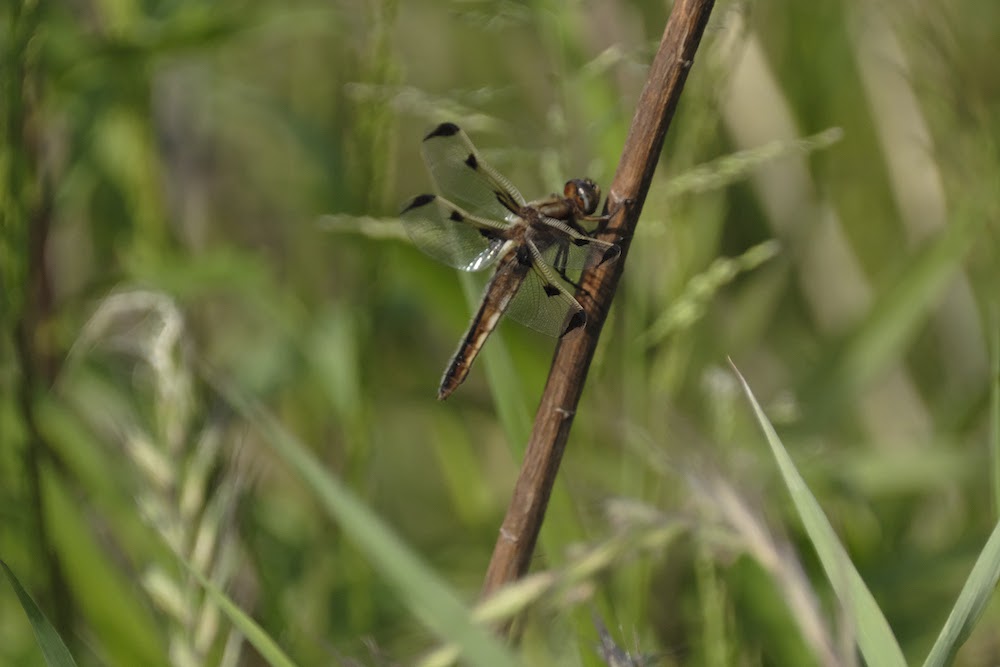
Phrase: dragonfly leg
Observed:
(559, 264)
(603, 220)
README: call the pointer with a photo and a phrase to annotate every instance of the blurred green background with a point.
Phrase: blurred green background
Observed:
(202, 194)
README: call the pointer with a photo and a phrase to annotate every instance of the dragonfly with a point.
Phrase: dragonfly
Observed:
(478, 219)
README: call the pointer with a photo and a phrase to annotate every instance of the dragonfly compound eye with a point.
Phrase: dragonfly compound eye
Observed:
(584, 193)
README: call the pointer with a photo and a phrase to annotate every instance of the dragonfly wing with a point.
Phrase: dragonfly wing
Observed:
(450, 235)
(465, 178)
(569, 249)
(543, 304)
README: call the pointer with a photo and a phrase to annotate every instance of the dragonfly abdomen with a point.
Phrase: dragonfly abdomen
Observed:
(500, 291)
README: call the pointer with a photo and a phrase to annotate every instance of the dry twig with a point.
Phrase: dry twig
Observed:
(514, 548)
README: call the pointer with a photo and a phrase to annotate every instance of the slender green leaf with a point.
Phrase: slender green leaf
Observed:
(971, 601)
(892, 321)
(511, 401)
(426, 595)
(49, 641)
(875, 639)
(994, 442)
(507, 388)
(266, 647)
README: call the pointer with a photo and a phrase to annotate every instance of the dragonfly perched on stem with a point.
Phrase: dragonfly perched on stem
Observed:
(479, 219)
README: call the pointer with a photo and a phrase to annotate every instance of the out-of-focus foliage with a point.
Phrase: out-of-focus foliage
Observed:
(202, 193)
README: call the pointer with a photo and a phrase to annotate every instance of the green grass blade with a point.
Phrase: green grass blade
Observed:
(423, 592)
(971, 601)
(982, 580)
(53, 648)
(994, 442)
(505, 385)
(511, 401)
(875, 639)
(266, 647)
(893, 320)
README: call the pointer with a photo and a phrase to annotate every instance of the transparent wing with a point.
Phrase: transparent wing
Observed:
(462, 176)
(544, 305)
(569, 252)
(450, 235)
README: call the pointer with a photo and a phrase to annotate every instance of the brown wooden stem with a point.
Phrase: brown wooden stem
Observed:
(516, 543)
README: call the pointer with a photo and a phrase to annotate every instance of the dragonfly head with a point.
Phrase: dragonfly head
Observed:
(584, 193)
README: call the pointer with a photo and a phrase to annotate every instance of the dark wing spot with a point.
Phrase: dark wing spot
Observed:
(550, 290)
(456, 216)
(443, 130)
(488, 233)
(580, 242)
(472, 162)
(611, 254)
(578, 320)
(417, 202)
